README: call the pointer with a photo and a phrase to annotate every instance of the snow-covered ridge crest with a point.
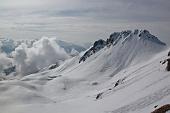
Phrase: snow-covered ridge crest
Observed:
(141, 39)
(139, 34)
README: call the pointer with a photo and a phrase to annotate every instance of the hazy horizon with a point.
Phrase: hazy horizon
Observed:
(82, 21)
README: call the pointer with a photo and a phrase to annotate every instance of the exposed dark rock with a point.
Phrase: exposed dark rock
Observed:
(169, 53)
(117, 83)
(155, 106)
(163, 62)
(145, 34)
(120, 81)
(9, 70)
(53, 66)
(95, 83)
(162, 109)
(136, 31)
(98, 45)
(168, 65)
(98, 95)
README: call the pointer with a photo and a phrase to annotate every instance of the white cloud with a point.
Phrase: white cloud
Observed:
(4, 61)
(43, 53)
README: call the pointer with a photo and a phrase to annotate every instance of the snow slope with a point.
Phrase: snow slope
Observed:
(125, 77)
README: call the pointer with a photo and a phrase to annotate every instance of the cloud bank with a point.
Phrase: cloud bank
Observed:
(41, 54)
(82, 20)
(4, 61)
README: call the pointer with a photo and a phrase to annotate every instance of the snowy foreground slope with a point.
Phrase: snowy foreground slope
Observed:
(125, 77)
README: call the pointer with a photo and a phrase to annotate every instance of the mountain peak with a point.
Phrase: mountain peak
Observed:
(145, 34)
(128, 35)
(142, 38)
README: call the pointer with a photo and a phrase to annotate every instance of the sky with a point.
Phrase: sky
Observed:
(82, 21)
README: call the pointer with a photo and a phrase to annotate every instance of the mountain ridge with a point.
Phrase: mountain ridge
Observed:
(123, 37)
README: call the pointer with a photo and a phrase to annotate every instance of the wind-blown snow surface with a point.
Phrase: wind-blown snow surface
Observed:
(73, 87)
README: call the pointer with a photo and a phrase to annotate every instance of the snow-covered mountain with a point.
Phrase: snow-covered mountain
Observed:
(124, 74)
(122, 49)
(8, 45)
(68, 47)
(133, 41)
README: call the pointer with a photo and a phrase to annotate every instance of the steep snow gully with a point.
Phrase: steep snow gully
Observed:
(124, 74)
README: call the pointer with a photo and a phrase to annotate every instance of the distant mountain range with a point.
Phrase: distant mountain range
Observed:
(9, 45)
